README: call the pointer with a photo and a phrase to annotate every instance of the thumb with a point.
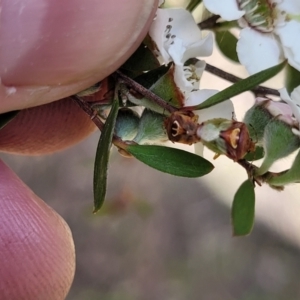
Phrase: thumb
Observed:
(50, 49)
(36, 250)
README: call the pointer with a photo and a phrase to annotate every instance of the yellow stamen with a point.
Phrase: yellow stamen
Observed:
(234, 137)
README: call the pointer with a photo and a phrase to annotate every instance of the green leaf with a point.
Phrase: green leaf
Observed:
(256, 155)
(193, 4)
(242, 86)
(226, 42)
(5, 118)
(127, 124)
(243, 209)
(170, 160)
(279, 141)
(166, 88)
(149, 78)
(161, 82)
(151, 128)
(141, 60)
(289, 176)
(102, 157)
(292, 78)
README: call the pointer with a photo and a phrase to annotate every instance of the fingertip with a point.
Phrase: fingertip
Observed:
(36, 251)
(46, 129)
(62, 47)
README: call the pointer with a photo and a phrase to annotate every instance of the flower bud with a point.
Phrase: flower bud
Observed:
(127, 124)
(257, 118)
(227, 137)
(151, 128)
(263, 111)
(278, 141)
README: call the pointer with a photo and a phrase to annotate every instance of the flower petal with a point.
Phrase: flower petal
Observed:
(174, 23)
(197, 97)
(175, 30)
(201, 48)
(280, 110)
(181, 77)
(184, 26)
(227, 9)
(188, 80)
(222, 110)
(258, 51)
(291, 58)
(157, 32)
(290, 6)
(289, 35)
(176, 51)
(295, 95)
(295, 108)
(284, 94)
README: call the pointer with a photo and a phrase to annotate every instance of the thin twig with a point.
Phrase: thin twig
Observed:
(86, 107)
(209, 23)
(259, 90)
(145, 92)
(250, 169)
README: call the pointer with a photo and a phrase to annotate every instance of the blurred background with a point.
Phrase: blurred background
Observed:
(163, 237)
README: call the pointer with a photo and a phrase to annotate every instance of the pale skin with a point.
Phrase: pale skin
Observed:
(50, 49)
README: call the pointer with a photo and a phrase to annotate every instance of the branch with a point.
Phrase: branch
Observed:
(87, 108)
(259, 90)
(144, 92)
(209, 23)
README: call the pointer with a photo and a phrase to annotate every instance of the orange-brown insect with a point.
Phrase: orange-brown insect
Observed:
(182, 127)
(222, 136)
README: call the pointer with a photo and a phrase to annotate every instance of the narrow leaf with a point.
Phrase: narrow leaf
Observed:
(193, 4)
(243, 209)
(226, 42)
(166, 88)
(149, 78)
(141, 60)
(292, 78)
(5, 118)
(102, 157)
(242, 86)
(161, 82)
(170, 160)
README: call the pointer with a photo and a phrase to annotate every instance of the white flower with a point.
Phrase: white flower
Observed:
(294, 103)
(227, 9)
(265, 50)
(272, 34)
(222, 110)
(280, 110)
(178, 38)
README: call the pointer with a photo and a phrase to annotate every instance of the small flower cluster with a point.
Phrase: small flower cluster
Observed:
(267, 27)
(177, 40)
(270, 28)
(162, 99)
